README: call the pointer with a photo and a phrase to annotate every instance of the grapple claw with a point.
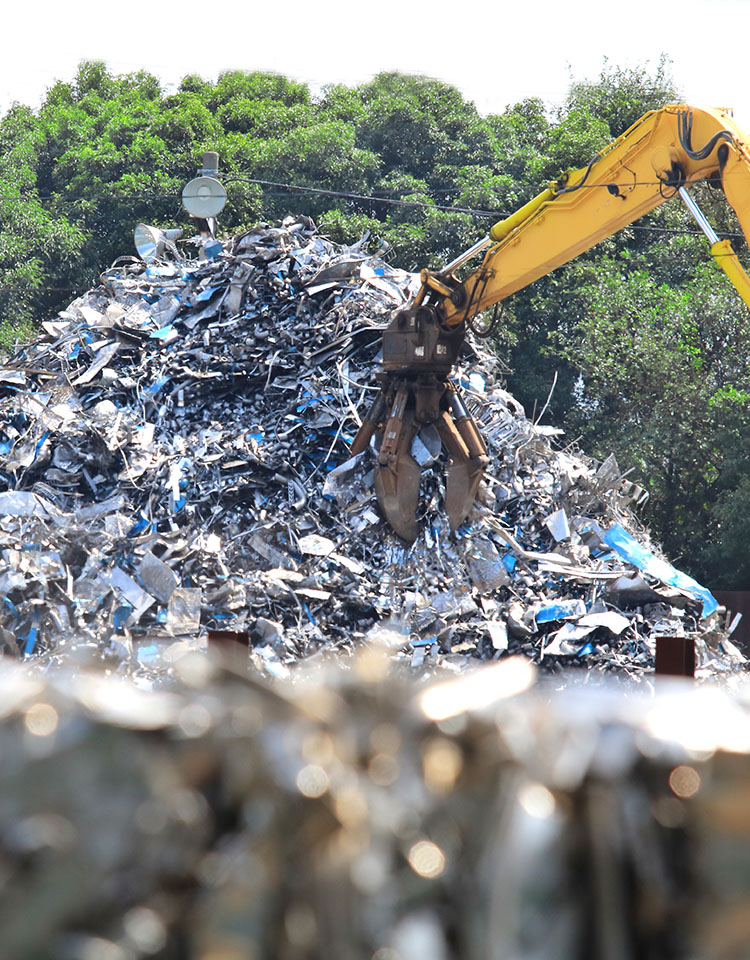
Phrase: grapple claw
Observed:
(468, 461)
(397, 473)
(462, 479)
(369, 425)
(397, 487)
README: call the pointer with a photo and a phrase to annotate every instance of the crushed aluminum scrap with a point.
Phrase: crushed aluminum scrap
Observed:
(174, 459)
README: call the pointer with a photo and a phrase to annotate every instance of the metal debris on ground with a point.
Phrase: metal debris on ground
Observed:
(174, 459)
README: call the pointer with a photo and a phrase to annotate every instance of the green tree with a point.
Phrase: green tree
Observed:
(39, 251)
(660, 368)
(621, 95)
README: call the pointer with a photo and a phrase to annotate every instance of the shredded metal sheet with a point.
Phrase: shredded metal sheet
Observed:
(183, 428)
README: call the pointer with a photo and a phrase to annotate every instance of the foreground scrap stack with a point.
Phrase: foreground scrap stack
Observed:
(353, 815)
(174, 459)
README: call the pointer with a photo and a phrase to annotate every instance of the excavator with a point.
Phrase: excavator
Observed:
(657, 158)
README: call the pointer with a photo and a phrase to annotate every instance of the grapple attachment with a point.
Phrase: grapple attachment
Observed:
(397, 474)
(418, 354)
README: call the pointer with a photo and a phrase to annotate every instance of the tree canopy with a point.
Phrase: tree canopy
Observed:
(648, 345)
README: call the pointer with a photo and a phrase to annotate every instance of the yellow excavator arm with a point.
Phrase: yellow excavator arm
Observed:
(658, 158)
(654, 160)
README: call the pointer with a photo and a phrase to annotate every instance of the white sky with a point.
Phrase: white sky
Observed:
(495, 52)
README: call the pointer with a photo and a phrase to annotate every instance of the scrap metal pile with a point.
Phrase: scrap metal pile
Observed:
(174, 459)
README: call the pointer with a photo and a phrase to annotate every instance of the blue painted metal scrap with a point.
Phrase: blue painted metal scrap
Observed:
(633, 552)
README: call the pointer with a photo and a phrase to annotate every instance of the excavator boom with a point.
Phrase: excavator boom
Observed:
(656, 159)
(664, 150)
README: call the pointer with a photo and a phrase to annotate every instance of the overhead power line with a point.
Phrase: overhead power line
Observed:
(361, 196)
(321, 191)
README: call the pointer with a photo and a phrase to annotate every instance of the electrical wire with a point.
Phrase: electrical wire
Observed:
(387, 200)
(283, 186)
(319, 190)
(361, 196)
